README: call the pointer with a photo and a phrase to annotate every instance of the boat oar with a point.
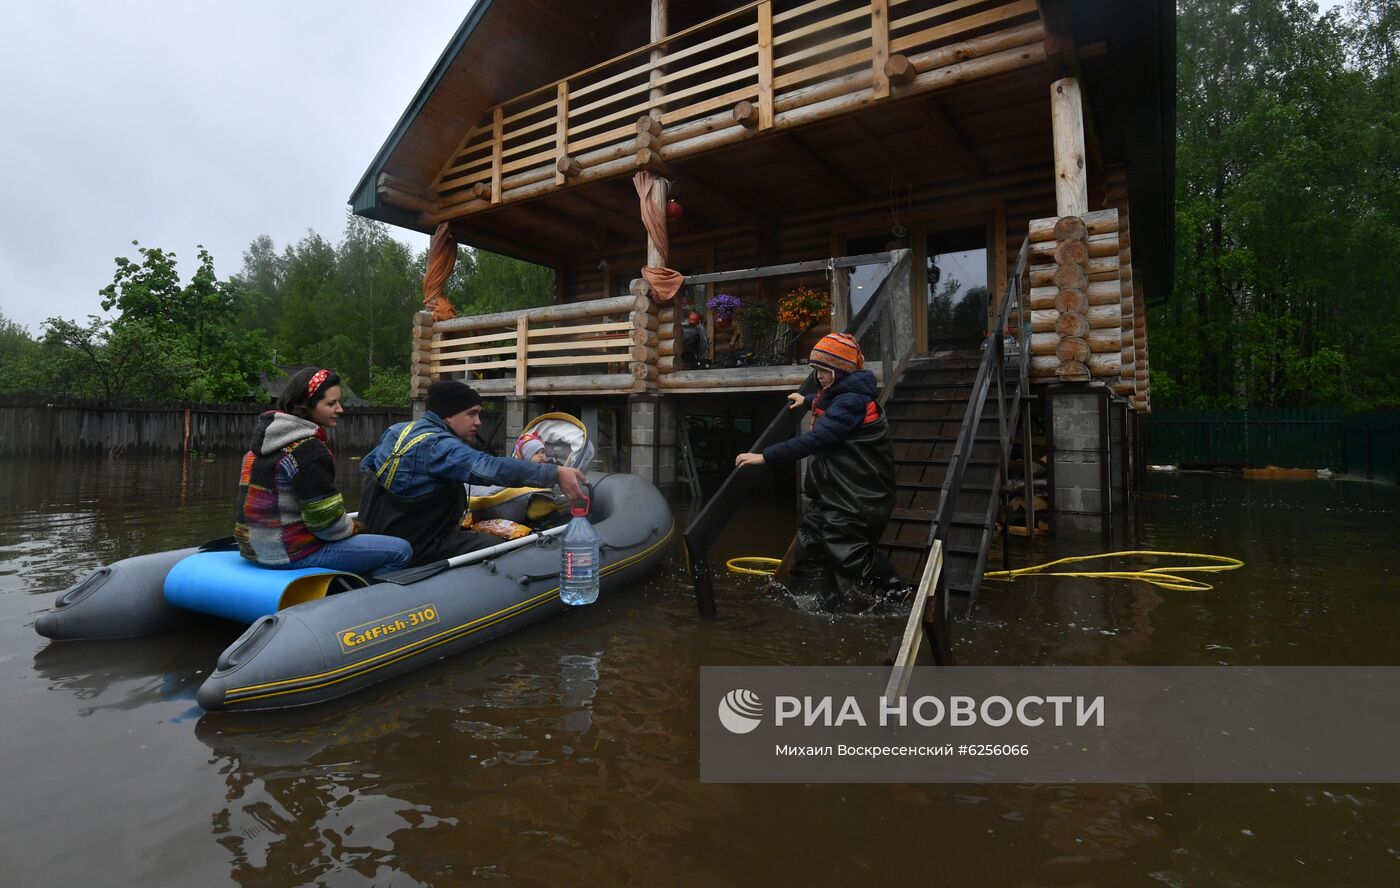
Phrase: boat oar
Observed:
(422, 572)
(228, 544)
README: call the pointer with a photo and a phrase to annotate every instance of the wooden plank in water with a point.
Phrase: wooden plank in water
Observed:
(914, 629)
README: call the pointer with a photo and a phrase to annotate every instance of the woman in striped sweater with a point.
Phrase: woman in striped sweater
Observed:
(290, 513)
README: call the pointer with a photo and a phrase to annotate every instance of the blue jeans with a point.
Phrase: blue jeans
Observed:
(366, 554)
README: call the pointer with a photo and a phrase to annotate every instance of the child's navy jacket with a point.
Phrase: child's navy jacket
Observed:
(845, 404)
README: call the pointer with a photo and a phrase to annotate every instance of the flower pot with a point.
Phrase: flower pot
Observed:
(724, 323)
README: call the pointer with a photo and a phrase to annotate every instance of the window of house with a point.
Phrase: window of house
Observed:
(956, 285)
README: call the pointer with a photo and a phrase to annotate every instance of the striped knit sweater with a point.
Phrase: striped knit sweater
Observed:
(288, 504)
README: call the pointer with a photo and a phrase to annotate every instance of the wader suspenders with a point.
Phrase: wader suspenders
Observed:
(398, 453)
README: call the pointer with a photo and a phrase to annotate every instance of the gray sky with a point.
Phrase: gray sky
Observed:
(189, 122)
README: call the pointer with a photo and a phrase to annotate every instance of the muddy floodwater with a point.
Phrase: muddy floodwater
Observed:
(568, 753)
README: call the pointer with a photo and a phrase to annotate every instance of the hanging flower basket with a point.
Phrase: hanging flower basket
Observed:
(724, 307)
(802, 308)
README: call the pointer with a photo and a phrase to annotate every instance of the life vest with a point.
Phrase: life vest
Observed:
(872, 413)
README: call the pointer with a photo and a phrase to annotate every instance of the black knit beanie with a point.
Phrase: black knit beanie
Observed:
(448, 397)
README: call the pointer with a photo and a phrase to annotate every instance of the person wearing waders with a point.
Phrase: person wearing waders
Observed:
(850, 477)
(412, 483)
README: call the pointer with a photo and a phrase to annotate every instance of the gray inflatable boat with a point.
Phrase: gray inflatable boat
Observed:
(330, 646)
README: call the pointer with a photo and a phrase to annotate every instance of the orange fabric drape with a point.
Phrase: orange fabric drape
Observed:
(442, 256)
(653, 217)
(664, 283)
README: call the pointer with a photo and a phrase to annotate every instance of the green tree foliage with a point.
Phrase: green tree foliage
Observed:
(22, 367)
(349, 306)
(1288, 208)
(498, 283)
(390, 387)
(262, 283)
(307, 268)
(169, 340)
(110, 360)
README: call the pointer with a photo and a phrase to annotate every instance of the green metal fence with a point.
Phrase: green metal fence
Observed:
(1371, 446)
(1304, 437)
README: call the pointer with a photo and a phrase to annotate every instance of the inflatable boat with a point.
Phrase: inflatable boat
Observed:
(316, 635)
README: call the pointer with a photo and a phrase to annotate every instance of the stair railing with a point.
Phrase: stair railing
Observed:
(1013, 315)
(884, 327)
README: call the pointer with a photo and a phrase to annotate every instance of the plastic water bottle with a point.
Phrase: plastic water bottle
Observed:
(578, 568)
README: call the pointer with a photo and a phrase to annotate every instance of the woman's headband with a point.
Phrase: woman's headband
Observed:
(315, 383)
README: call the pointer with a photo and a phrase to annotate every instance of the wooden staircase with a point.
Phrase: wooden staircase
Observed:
(926, 411)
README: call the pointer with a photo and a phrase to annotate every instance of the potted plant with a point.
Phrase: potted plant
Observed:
(802, 308)
(759, 332)
(725, 307)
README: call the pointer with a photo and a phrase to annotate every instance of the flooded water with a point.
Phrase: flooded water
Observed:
(567, 753)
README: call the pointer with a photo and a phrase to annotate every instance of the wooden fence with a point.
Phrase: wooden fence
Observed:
(39, 424)
(1371, 446)
(1306, 438)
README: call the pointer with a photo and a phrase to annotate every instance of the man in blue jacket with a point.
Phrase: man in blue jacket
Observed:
(413, 482)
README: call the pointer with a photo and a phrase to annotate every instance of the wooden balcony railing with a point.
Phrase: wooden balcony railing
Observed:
(766, 65)
(637, 345)
(544, 349)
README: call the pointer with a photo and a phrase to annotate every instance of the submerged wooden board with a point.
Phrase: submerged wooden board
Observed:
(914, 629)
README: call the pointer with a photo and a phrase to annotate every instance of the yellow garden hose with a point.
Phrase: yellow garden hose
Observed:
(753, 564)
(1162, 577)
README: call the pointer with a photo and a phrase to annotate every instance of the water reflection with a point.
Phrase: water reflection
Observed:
(128, 674)
(567, 752)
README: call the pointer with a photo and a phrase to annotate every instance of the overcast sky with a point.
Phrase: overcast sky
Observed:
(188, 122)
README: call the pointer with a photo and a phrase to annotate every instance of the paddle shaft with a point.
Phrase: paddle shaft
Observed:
(499, 548)
(423, 571)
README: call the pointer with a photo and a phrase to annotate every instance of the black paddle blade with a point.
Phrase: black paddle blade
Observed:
(411, 575)
(222, 544)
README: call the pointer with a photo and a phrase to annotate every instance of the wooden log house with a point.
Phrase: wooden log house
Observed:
(791, 132)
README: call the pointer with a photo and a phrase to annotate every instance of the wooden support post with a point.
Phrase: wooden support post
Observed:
(497, 133)
(659, 191)
(561, 136)
(840, 300)
(1067, 123)
(660, 27)
(999, 269)
(880, 47)
(765, 64)
(522, 354)
(1028, 464)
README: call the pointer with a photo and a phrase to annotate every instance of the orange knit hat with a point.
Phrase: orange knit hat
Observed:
(838, 351)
